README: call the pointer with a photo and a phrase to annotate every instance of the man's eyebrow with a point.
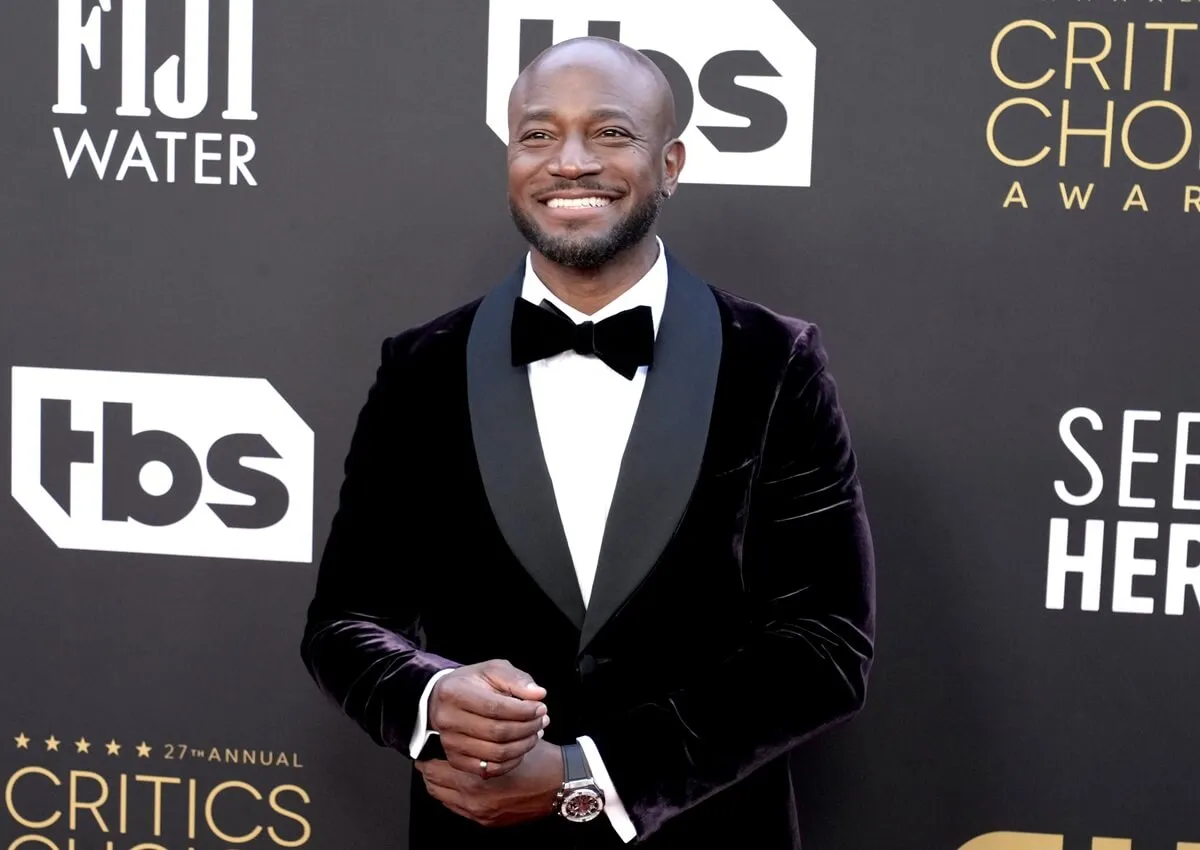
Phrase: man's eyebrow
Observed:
(601, 114)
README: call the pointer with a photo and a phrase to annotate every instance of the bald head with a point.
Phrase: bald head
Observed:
(642, 79)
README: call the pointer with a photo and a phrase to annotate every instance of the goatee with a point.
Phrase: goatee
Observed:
(591, 252)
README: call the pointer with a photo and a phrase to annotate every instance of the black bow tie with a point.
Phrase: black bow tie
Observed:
(623, 341)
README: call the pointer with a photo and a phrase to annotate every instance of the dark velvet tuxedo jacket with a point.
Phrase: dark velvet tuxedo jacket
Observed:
(732, 611)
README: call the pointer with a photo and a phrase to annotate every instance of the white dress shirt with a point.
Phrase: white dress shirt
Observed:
(584, 413)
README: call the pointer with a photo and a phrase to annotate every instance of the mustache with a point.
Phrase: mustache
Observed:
(579, 185)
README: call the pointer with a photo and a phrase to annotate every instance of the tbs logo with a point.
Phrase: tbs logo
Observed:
(162, 464)
(742, 73)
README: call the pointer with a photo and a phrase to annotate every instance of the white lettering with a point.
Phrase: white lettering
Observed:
(1126, 565)
(195, 80)
(85, 143)
(133, 60)
(1180, 574)
(137, 157)
(1129, 457)
(203, 156)
(171, 138)
(241, 63)
(1089, 564)
(1183, 460)
(1081, 454)
(74, 37)
(241, 151)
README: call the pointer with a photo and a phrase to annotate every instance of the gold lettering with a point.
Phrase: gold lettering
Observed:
(214, 754)
(1130, 30)
(212, 824)
(991, 132)
(29, 839)
(191, 808)
(231, 756)
(1136, 198)
(158, 782)
(1075, 197)
(1112, 844)
(1187, 135)
(76, 804)
(149, 847)
(1092, 61)
(1170, 30)
(300, 819)
(1016, 195)
(1191, 199)
(1015, 841)
(1000, 36)
(124, 812)
(249, 757)
(12, 808)
(296, 761)
(1068, 130)
(281, 760)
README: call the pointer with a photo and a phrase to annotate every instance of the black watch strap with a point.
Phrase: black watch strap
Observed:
(575, 765)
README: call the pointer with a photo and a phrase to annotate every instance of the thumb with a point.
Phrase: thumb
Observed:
(508, 679)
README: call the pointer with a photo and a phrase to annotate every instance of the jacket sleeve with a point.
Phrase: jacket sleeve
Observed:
(808, 569)
(361, 642)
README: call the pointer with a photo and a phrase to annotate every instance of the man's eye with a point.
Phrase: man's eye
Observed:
(535, 135)
(613, 132)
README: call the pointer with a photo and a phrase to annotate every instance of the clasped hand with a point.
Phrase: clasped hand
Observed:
(498, 770)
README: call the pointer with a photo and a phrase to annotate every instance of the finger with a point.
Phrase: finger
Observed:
(448, 797)
(492, 731)
(454, 804)
(480, 750)
(508, 679)
(480, 769)
(441, 773)
(478, 697)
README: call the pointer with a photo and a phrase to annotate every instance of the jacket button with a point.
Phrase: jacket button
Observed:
(587, 665)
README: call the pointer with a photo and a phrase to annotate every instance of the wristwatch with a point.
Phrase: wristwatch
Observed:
(579, 800)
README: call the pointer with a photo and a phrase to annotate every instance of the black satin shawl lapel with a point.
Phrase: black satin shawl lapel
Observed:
(509, 451)
(666, 445)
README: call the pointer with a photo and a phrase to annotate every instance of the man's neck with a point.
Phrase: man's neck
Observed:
(589, 290)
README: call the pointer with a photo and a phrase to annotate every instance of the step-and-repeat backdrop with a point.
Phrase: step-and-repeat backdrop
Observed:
(211, 213)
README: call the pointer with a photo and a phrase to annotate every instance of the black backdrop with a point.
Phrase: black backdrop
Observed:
(150, 641)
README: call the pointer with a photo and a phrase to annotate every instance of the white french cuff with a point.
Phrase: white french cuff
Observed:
(613, 807)
(421, 731)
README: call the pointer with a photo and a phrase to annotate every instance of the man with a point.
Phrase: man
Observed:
(600, 559)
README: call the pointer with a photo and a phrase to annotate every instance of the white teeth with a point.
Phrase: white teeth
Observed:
(577, 203)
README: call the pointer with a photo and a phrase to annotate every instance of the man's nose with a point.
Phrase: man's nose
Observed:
(575, 159)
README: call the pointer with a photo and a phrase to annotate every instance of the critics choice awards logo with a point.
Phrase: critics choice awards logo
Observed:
(1133, 562)
(130, 119)
(743, 75)
(162, 464)
(72, 794)
(1097, 113)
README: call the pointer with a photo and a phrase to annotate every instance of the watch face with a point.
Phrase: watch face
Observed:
(582, 805)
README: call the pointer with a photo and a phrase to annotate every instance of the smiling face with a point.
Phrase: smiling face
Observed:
(590, 159)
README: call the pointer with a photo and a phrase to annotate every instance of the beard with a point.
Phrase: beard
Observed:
(591, 252)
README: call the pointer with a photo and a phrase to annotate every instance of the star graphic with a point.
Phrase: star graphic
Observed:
(114, 749)
(81, 746)
(52, 744)
(22, 742)
(143, 750)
